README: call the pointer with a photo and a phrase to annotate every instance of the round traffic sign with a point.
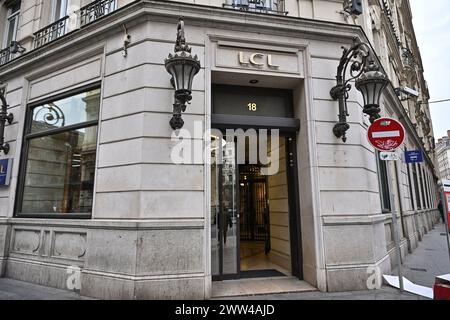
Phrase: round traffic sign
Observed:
(386, 134)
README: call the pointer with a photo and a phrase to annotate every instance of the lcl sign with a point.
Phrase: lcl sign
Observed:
(257, 59)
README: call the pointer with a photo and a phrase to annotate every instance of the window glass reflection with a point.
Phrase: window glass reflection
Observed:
(80, 108)
(60, 173)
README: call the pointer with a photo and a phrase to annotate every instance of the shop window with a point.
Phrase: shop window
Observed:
(384, 185)
(59, 157)
(12, 22)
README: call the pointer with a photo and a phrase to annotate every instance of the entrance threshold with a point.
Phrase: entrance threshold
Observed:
(260, 286)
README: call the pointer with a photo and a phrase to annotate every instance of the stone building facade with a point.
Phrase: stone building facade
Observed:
(94, 187)
(443, 156)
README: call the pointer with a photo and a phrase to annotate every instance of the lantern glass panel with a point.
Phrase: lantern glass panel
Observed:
(171, 71)
(187, 76)
(378, 91)
(178, 76)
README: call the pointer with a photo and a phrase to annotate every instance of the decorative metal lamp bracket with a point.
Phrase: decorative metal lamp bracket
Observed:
(4, 117)
(353, 62)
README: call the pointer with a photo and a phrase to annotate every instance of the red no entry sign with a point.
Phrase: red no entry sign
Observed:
(386, 134)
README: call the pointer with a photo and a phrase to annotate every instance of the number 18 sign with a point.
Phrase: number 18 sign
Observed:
(386, 134)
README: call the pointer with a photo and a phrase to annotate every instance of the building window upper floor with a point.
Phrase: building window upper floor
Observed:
(59, 9)
(11, 23)
(66, 16)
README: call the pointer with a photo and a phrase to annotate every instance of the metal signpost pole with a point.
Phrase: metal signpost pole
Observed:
(446, 209)
(387, 135)
(395, 228)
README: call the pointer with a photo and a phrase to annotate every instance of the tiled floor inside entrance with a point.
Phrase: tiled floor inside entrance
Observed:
(249, 287)
(254, 258)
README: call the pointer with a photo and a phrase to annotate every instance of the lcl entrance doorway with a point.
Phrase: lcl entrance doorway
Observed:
(255, 218)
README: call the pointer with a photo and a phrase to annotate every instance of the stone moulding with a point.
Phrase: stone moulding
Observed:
(353, 220)
(44, 243)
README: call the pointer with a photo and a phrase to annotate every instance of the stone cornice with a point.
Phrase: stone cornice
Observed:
(161, 10)
(336, 220)
(125, 224)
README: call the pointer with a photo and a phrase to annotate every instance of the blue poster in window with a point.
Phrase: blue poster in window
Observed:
(5, 172)
(414, 156)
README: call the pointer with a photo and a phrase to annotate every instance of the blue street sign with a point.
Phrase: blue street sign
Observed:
(5, 172)
(415, 156)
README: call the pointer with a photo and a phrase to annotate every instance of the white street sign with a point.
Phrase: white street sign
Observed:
(390, 156)
(386, 134)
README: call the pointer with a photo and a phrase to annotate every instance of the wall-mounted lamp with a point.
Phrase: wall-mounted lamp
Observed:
(4, 116)
(183, 67)
(16, 47)
(353, 7)
(359, 63)
(406, 93)
(126, 41)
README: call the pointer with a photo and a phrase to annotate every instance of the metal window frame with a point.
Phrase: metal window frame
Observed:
(25, 148)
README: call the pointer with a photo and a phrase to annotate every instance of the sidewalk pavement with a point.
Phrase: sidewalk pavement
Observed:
(17, 290)
(429, 260)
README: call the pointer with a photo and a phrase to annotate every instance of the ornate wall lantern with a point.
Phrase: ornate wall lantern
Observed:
(183, 67)
(359, 63)
(4, 116)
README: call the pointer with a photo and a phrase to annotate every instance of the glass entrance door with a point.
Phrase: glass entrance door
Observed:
(224, 210)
